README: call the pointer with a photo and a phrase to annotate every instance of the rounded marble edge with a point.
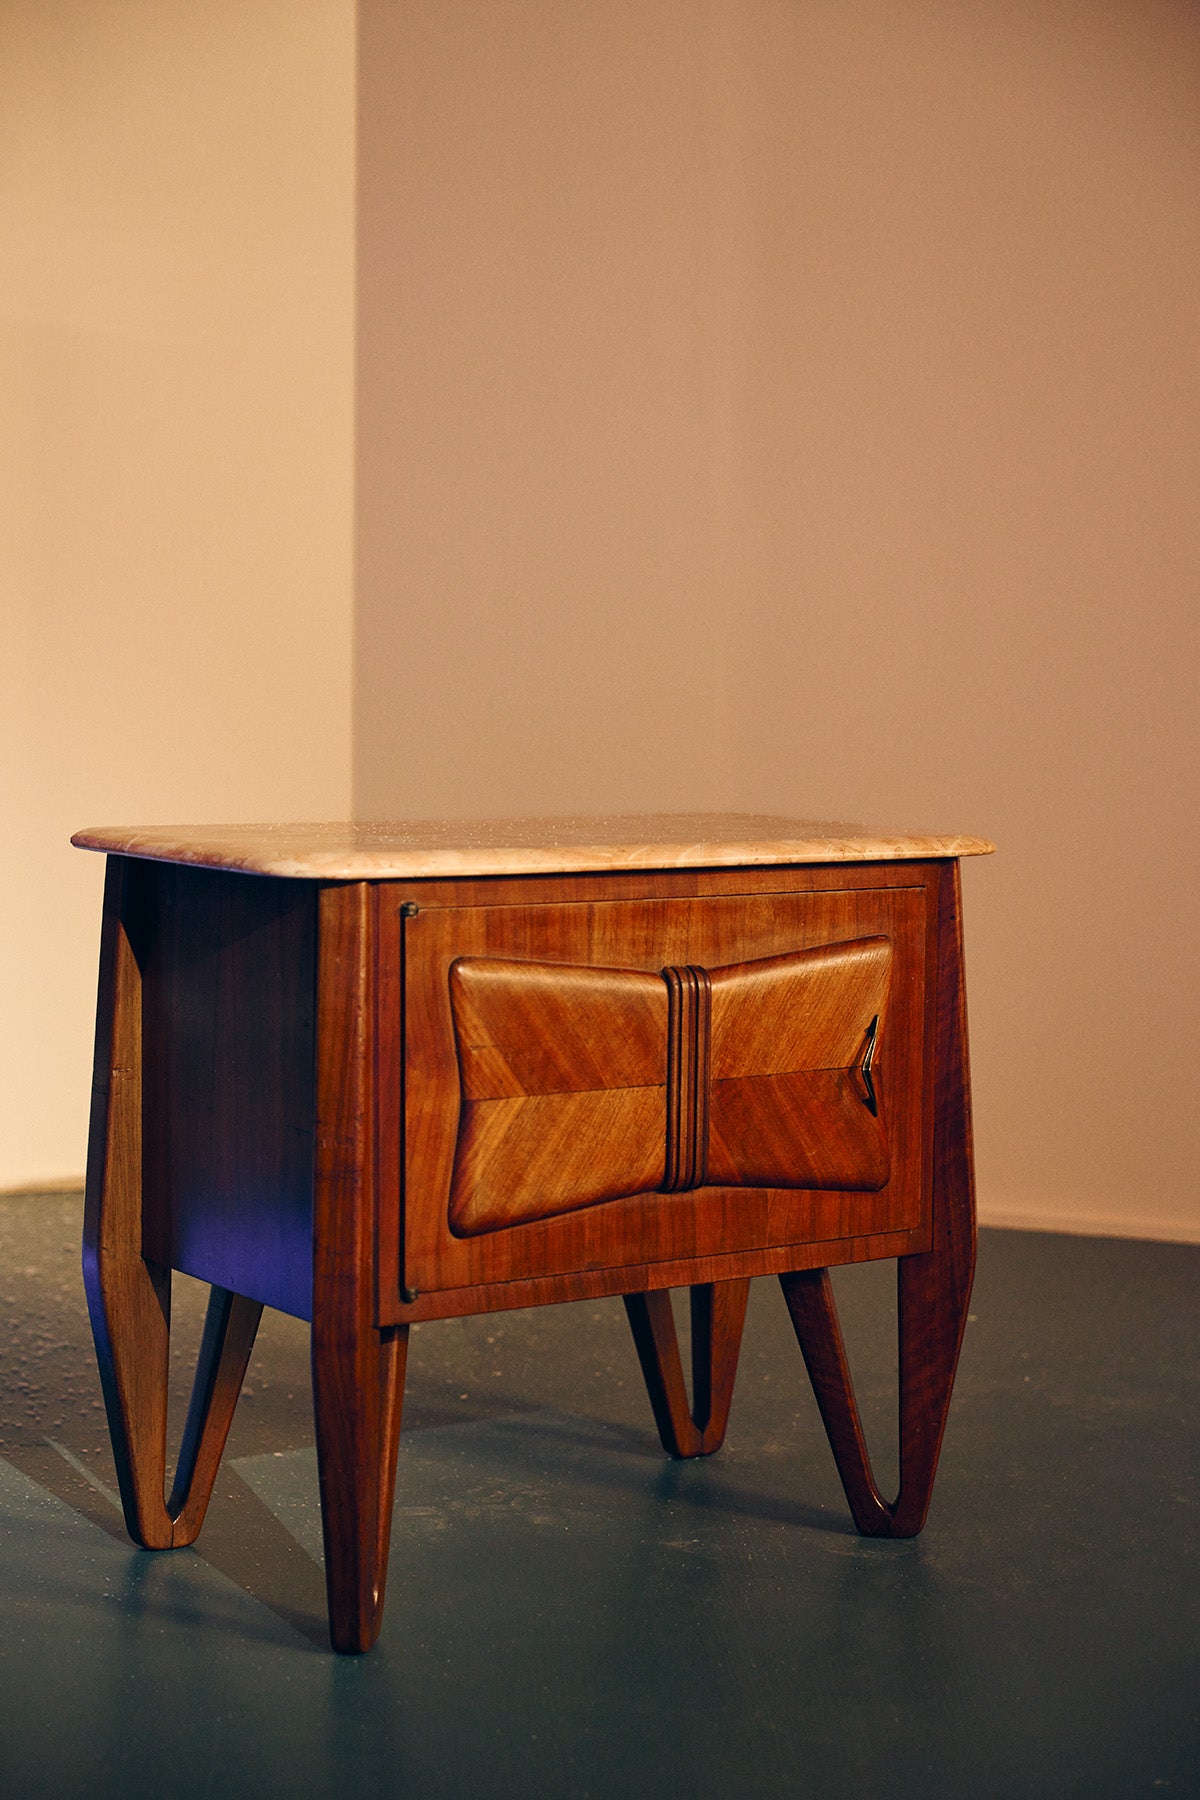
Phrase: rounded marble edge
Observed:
(442, 861)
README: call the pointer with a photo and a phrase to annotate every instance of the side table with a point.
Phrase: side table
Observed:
(380, 1074)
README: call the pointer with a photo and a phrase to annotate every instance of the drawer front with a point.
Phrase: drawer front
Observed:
(618, 1082)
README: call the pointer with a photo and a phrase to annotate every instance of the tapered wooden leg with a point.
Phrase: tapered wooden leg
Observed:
(358, 1368)
(358, 1389)
(934, 1288)
(718, 1314)
(129, 1297)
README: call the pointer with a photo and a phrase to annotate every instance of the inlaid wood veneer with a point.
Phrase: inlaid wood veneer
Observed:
(580, 1084)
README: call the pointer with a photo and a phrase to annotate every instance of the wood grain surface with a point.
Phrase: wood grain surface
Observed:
(228, 984)
(880, 1163)
(582, 1084)
(562, 1073)
(358, 1368)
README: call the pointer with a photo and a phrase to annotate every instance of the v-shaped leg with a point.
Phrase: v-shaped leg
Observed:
(132, 1342)
(930, 1319)
(129, 1297)
(718, 1315)
(934, 1288)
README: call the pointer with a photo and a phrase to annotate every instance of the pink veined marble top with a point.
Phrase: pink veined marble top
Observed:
(414, 848)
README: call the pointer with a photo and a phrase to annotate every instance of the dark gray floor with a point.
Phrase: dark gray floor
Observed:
(569, 1615)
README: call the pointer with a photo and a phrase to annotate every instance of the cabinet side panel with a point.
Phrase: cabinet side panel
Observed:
(229, 1050)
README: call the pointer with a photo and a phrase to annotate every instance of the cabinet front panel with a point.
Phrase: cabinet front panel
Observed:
(602, 1083)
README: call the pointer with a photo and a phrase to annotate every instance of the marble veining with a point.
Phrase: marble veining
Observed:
(415, 848)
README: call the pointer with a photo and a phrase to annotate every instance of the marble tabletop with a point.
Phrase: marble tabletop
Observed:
(412, 848)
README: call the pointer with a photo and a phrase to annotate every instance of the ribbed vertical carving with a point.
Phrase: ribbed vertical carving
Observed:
(689, 1033)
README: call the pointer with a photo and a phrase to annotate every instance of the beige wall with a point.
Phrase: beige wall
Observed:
(794, 405)
(543, 339)
(774, 403)
(972, 534)
(176, 309)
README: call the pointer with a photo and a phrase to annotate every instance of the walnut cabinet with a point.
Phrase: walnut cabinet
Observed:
(401, 1075)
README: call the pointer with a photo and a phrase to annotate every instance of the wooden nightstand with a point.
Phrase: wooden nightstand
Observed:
(378, 1074)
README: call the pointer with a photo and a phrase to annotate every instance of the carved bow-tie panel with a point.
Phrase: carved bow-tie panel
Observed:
(582, 1084)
